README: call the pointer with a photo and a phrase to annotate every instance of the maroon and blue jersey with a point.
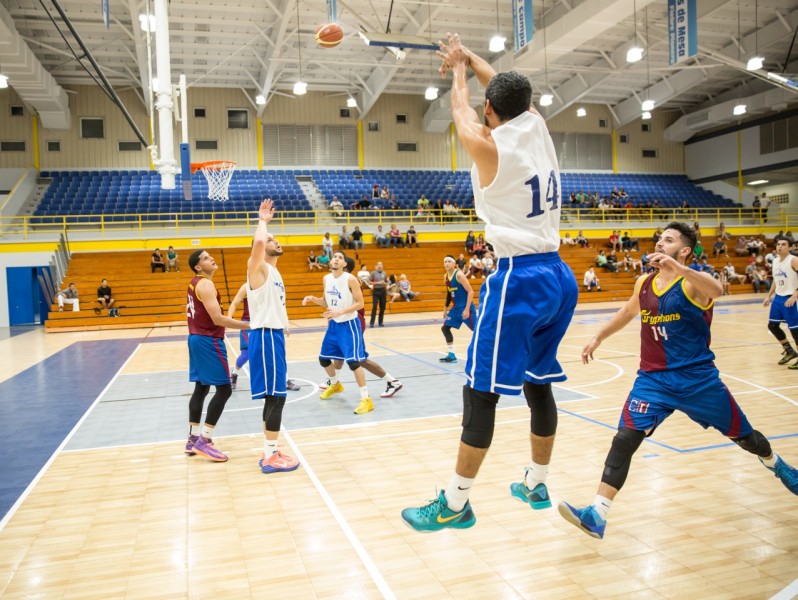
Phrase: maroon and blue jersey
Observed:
(674, 331)
(245, 316)
(199, 321)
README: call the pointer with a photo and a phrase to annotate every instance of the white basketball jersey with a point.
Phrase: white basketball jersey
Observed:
(339, 296)
(521, 206)
(267, 303)
(784, 276)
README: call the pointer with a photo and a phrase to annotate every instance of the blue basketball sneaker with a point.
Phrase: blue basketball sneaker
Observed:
(587, 519)
(436, 515)
(786, 474)
(538, 497)
(449, 358)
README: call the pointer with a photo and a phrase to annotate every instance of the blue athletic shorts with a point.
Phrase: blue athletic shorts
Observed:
(267, 366)
(783, 314)
(696, 391)
(344, 341)
(207, 360)
(525, 307)
(454, 318)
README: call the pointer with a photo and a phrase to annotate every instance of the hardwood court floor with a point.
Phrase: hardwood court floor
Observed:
(698, 517)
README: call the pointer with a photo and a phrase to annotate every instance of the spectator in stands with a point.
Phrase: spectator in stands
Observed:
(769, 258)
(695, 265)
(724, 281)
(760, 280)
(684, 207)
(343, 239)
(380, 237)
(68, 296)
(474, 267)
(479, 246)
(450, 211)
(645, 263)
(461, 262)
(324, 261)
(614, 242)
(766, 202)
(622, 195)
(313, 261)
(437, 209)
(404, 288)
(356, 242)
(364, 203)
(393, 203)
(568, 240)
(488, 266)
(392, 292)
(615, 194)
(105, 299)
(396, 237)
(657, 235)
(603, 263)
(630, 243)
(327, 245)
(750, 269)
(732, 275)
(375, 192)
(697, 229)
(757, 206)
(172, 261)
(572, 200)
(706, 267)
(469, 242)
(629, 263)
(582, 240)
(722, 233)
(385, 194)
(423, 204)
(590, 280)
(364, 275)
(412, 237)
(337, 207)
(741, 246)
(698, 250)
(157, 261)
(612, 261)
(719, 247)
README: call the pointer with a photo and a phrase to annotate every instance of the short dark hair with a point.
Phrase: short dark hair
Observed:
(778, 238)
(686, 232)
(510, 94)
(350, 263)
(194, 259)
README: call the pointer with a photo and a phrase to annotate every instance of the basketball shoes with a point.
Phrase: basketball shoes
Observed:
(785, 473)
(336, 388)
(437, 515)
(538, 497)
(393, 387)
(587, 519)
(204, 447)
(278, 463)
(192, 439)
(366, 405)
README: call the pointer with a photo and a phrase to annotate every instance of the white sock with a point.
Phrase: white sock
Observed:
(770, 462)
(450, 348)
(207, 431)
(233, 371)
(364, 392)
(536, 474)
(389, 378)
(195, 430)
(269, 447)
(457, 492)
(334, 379)
(602, 506)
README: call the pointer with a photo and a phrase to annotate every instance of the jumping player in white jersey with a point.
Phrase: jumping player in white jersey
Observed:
(344, 337)
(527, 303)
(268, 321)
(783, 308)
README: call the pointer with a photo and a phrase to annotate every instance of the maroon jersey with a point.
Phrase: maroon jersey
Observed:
(199, 321)
(245, 316)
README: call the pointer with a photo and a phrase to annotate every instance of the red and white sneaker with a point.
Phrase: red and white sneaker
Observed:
(393, 387)
(278, 462)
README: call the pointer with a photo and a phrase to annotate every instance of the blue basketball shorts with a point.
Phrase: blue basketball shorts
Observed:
(207, 360)
(267, 365)
(454, 318)
(344, 341)
(783, 314)
(696, 391)
(525, 307)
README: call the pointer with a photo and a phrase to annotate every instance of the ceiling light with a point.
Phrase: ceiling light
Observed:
(759, 182)
(300, 88)
(739, 110)
(3, 82)
(634, 54)
(351, 102)
(546, 100)
(581, 112)
(431, 93)
(646, 116)
(260, 100)
(147, 23)
(755, 63)
(647, 105)
(497, 43)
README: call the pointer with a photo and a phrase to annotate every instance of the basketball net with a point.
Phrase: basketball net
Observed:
(218, 174)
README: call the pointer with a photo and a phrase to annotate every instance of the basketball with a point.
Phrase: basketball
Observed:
(329, 35)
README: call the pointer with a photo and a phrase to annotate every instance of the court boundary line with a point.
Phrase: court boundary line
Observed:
(789, 592)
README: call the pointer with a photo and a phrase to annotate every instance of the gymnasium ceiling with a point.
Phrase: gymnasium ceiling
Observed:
(255, 45)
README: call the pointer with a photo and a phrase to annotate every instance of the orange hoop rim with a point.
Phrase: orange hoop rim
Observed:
(214, 165)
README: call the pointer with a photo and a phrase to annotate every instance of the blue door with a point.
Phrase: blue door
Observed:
(23, 295)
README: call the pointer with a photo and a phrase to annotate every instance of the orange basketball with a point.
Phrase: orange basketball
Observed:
(329, 35)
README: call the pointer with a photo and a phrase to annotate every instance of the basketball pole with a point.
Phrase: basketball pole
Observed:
(166, 164)
(185, 149)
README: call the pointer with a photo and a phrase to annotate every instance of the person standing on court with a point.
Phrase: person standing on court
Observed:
(783, 295)
(677, 372)
(379, 285)
(527, 303)
(207, 355)
(461, 296)
(268, 324)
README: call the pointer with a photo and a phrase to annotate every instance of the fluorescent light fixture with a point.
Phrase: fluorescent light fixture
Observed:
(147, 22)
(759, 182)
(634, 54)
(497, 43)
(398, 54)
(397, 40)
(784, 81)
(581, 112)
(755, 63)
(351, 102)
(546, 100)
(300, 88)
(648, 105)
(739, 110)
(3, 82)
(260, 100)
(431, 93)
(646, 116)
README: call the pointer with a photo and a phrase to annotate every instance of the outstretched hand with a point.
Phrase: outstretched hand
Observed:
(453, 53)
(266, 210)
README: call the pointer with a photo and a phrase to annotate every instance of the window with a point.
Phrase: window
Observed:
(53, 146)
(206, 145)
(603, 123)
(12, 146)
(645, 127)
(623, 138)
(374, 126)
(344, 113)
(129, 146)
(17, 111)
(237, 118)
(92, 128)
(407, 146)
(401, 119)
(649, 153)
(199, 113)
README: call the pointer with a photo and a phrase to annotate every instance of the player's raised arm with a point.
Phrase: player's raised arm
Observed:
(256, 270)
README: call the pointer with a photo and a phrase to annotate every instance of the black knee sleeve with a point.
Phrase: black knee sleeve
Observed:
(447, 334)
(794, 333)
(197, 401)
(353, 365)
(543, 418)
(479, 417)
(777, 331)
(273, 412)
(755, 443)
(216, 405)
(325, 362)
(619, 458)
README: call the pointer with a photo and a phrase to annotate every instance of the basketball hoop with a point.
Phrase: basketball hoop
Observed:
(218, 174)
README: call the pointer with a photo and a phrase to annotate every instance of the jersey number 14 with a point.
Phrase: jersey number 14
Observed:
(552, 194)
